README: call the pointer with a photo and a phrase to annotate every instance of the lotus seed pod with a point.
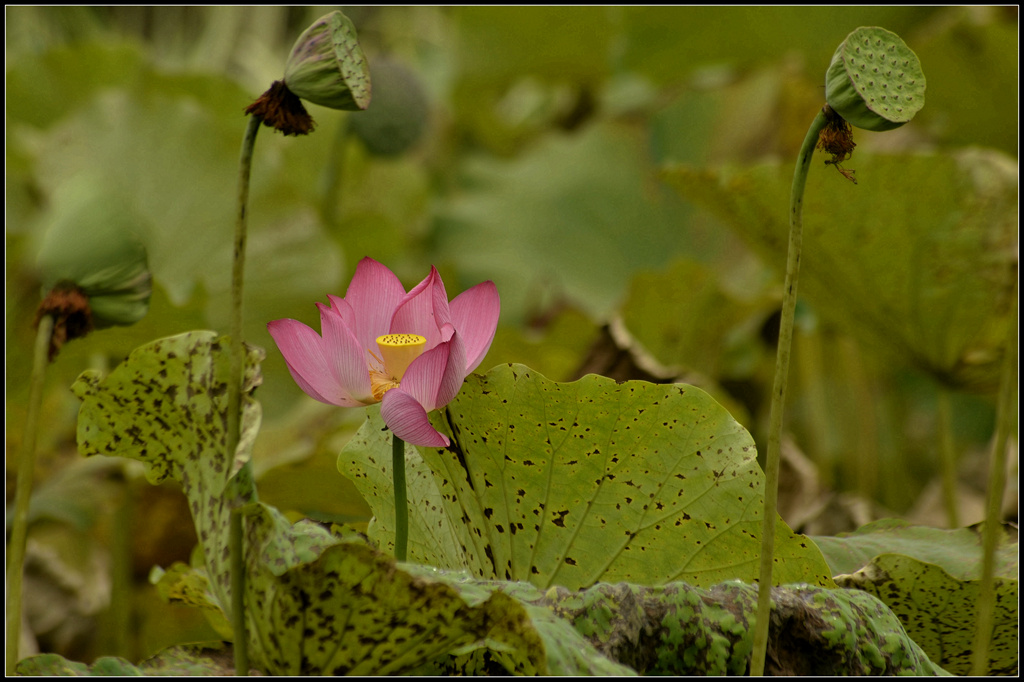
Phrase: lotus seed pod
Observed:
(875, 81)
(91, 246)
(397, 117)
(327, 66)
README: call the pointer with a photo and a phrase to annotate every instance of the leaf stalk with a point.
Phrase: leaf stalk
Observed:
(23, 491)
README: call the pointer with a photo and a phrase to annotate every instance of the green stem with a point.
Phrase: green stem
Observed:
(771, 472)
(236, 530)
(334, 174)
(121, 572)
(23, 491)
(947, 454)
(236, 547)
(863, 442)
(401, 504)
(994, 504)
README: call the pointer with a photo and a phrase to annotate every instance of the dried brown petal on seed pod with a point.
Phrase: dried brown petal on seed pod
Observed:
(279, 108)
(875, 81)
(327, 66)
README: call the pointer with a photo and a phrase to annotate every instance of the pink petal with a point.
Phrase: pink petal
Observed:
(475, 316)
(373, 295)
(454, 373)
(425, 375)
(304, 352)
(342, 308)
(346, 359)
(408, 420)
(415, 313)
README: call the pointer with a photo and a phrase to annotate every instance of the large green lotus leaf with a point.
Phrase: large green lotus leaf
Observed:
(939, 610)
(958, 550)
(919, 258)
(569, 484)
(574, 216)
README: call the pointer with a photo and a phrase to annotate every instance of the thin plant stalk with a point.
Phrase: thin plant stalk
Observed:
(334, 174)
(401, 503)
(863, 445)
(947, 455)
(236, 539)
(771, 488)
(820, 430)
(121, 572)
(236, 548)
(23, 491)
(992, 530)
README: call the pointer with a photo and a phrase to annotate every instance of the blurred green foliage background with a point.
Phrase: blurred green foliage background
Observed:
(527, 145)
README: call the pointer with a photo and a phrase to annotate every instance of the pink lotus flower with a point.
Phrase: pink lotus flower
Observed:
(408, 351)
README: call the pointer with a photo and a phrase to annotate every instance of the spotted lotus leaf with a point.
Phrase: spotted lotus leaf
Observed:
(534, 628)
(166, 406)
(679, 629)
(352, 611)
(940, 611)
(574, 483)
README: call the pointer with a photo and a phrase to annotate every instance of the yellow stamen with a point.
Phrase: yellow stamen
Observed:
(397, 353)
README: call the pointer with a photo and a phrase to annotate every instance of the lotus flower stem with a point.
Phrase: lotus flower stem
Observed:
(771, 471)
(401, 503)
(23, 491)
(992, 530)
(236, 530)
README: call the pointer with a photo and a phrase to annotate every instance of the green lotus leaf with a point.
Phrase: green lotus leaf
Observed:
(957, 551)
(918, 259)
(939, 611)
(571, 484)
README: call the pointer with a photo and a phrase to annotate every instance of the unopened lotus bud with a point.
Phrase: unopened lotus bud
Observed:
(397, 117)
(94, 267)
(875, 81)
(327, 66)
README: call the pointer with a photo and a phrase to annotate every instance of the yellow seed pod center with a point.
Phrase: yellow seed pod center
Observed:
(398, 351)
